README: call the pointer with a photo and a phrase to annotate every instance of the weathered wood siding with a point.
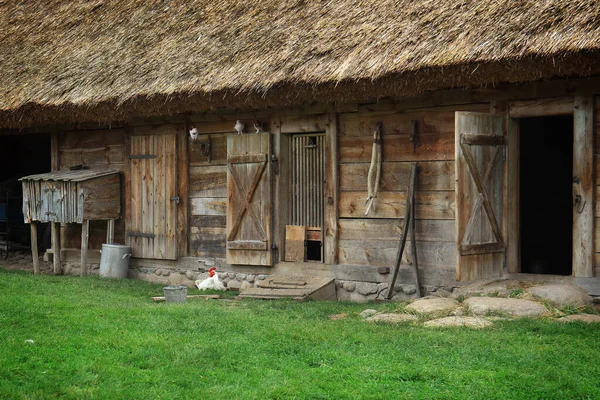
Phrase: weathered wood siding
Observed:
(597, 191)
(208, 190)
(373, 240)
(105, 149)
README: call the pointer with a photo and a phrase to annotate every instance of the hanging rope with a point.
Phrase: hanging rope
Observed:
(374, 170)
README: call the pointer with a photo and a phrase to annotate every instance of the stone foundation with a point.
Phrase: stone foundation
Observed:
(354, 291)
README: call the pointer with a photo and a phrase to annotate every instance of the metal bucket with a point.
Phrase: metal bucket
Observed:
(114, 261)
(175, 294)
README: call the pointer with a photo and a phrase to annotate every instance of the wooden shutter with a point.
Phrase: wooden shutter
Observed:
(153, 215)
(249, 208)
(480, 151)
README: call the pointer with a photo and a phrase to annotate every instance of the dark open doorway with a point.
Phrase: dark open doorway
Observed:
(546, 210)
(22, 155)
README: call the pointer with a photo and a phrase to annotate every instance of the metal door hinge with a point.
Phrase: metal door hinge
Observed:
(176, 199)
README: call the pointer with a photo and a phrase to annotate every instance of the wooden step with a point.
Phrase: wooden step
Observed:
(298, 288)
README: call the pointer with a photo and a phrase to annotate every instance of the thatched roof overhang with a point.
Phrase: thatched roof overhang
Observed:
(101, 60)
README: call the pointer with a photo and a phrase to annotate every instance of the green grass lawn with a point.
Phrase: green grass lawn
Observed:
(72, 337)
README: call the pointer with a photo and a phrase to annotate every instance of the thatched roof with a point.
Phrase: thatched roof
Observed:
(110, 59)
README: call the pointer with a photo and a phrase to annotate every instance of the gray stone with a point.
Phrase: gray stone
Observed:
(400, 296)
(407, 289)
(471, 322)
(158, 271)
(354, 297)
(234, 284)
(436, 305)
(240, 277)
(231, 275)
(349, 286)
(366, 288)
(562, 295)
(430, 289)
(250, 277)
(166, 272)
(589, 318)
(498, 287)
(191, 275)
(512, 307)
(369, 312)
(175, 278)
(392, 318)
(261, 277)
(246, 285)
(382, 286)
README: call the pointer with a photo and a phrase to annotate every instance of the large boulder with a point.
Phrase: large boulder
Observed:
(562, 295)
(496, 287)
(471, 322)
(436, 305)
(590, 318)
(512, 307)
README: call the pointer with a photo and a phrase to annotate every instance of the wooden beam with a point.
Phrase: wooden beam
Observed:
(183, 184)
(541, 107)
(34, 247)
(56, 248)
(330, 242)
(583, 186)
(110, 231)
(85, 227)
(513, 230)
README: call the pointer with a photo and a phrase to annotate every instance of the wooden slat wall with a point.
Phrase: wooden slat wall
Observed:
(208, 190)
(103, 149)
(597, 188)
(373, 239)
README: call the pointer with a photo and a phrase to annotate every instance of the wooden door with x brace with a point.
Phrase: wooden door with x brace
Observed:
(249, 206)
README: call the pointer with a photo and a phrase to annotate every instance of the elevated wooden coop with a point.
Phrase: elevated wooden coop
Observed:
(71, 197)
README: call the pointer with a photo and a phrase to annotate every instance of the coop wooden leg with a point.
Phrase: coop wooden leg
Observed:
(110, 231)
(56, 248)
(34, 248)
(84, 246)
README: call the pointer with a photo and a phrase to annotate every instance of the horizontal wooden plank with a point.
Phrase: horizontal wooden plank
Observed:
(430, 147)
(481, 140)
(207, 247)
(208, 221)
(247, 245)
(164, 129)
(208, 206)
(440, 255)
(429, 205)
(247, 158)
(397, 123)
(303, 123)
(541, 107)
(107, 156)
(431, 175)
(481, 248)
(218, 150)
(90, 139)
(208, 181)
(440, 230)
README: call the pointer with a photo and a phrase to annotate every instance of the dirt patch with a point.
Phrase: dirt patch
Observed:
(22, 260)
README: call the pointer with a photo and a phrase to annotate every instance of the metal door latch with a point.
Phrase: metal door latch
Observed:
(176, 199)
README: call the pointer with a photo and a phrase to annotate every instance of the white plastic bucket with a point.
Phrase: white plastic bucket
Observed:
(114, 261)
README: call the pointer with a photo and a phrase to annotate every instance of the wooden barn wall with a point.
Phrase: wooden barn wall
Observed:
(373, 239)
(208, 190)
(104, 149)
(597, 191)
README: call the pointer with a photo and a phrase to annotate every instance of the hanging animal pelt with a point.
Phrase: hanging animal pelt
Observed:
(374, 170)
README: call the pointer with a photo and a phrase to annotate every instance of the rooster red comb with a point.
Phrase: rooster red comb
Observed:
(211, 272)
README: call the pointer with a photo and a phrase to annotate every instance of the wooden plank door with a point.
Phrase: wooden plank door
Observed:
(153, 218)
(249, 207)
(480, 151)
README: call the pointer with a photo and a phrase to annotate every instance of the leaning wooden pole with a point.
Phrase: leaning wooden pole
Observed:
(407, 216)
(413, 243)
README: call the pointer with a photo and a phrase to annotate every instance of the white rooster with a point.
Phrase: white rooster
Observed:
(212, 282)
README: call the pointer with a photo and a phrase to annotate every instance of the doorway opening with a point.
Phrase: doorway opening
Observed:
(546, 199)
